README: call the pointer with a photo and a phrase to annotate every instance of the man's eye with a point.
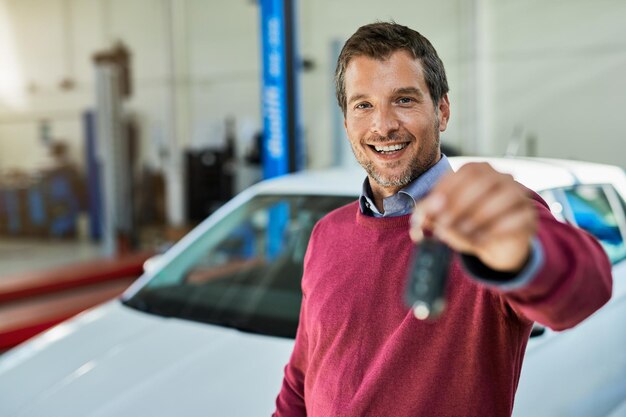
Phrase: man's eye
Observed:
(363, 106)
(405, 100)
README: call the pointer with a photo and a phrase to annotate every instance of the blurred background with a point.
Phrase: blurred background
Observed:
(125, 123)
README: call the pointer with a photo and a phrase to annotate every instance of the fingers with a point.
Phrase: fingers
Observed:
(469, 200)
(422, 218)
(479, 212)
(516, 221)
(476, 209)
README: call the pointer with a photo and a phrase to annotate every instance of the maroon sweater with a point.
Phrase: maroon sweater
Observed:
(359, 350)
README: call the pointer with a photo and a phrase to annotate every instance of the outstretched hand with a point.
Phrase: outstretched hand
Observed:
(482, 212)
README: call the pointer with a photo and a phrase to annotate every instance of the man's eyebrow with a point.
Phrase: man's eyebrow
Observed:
(398, 91)
(409, 91)
(356, 97)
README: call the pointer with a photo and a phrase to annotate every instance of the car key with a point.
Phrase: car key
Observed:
(426, 284)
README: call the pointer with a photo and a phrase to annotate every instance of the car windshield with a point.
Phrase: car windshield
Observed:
(244, 272)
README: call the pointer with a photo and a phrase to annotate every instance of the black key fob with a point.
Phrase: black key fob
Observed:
(428, 275)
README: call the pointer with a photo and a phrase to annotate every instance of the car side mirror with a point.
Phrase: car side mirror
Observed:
(150, 263)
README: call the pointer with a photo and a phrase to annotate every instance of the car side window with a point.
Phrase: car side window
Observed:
(598, 209)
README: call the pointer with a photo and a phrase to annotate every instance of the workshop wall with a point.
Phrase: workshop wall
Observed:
(546, 73)
(54, 41)
(558, 75)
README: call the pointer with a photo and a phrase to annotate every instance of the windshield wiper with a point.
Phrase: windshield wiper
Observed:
(238, 324)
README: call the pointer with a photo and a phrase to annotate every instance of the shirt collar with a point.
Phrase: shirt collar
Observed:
(404, 200)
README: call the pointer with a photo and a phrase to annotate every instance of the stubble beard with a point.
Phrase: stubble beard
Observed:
(420, 163)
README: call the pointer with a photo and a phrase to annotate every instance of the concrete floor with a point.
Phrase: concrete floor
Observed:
(21, 255)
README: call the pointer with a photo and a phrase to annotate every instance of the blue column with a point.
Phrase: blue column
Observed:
(282, 132)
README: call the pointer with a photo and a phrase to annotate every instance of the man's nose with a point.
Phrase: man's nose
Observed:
(384, 121)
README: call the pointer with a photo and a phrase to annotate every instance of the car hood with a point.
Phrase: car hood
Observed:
(116, 361)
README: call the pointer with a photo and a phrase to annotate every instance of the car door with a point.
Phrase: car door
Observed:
(582, 371)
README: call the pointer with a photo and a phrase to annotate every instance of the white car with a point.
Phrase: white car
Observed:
(208, 329)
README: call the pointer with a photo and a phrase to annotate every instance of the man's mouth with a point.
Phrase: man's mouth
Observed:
(389, 149)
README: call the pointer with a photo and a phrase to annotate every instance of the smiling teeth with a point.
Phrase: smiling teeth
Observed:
(390, 148)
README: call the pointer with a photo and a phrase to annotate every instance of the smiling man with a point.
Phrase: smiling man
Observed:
(359, 350)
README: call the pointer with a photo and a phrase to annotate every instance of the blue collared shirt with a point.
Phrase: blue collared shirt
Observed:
(404, 201)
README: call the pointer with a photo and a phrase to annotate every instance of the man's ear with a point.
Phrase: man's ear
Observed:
(444, 112)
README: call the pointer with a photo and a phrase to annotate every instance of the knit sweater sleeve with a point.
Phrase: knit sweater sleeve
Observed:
(573, 281)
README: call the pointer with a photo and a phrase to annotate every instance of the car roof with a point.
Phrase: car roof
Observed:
(535, 173)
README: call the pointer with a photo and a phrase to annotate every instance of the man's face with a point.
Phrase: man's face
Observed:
(391, 121)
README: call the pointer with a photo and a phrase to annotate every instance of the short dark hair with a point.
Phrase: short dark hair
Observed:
(381, 39)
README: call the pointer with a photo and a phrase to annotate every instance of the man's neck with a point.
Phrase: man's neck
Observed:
(379, 193)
